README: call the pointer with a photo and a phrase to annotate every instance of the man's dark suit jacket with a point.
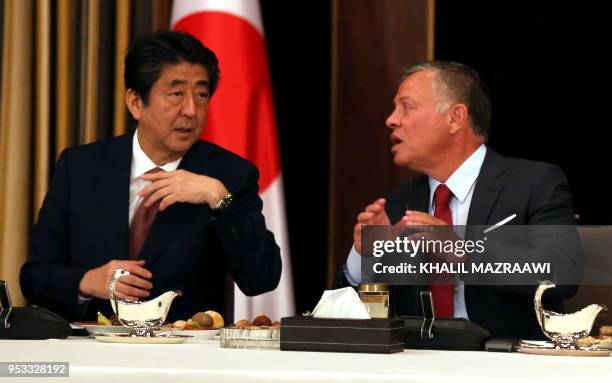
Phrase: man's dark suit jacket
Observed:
(538, 193)
(83, 224)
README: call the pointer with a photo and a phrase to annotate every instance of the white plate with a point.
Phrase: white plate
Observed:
(197, 334)
(124, 338)
(96, 329)
(547, 348)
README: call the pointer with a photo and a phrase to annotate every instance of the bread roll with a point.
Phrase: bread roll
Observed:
(203, 319)
(217, 319)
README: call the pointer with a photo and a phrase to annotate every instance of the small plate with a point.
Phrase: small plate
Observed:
(94, 329)
(547, 348)
(197, 334)
(124, 338)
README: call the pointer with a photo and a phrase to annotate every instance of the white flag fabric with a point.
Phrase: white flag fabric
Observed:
(241, 119)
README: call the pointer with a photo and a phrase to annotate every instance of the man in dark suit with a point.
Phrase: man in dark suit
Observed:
(439, 128)
(176, 212)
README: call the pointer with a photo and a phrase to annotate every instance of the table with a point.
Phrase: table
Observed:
(201, 361)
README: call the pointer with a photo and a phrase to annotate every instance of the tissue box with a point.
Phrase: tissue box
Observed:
(306, 333)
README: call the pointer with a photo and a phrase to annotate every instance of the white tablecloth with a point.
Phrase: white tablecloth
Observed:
(205, 361)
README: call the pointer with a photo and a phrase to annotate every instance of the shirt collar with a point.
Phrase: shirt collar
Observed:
(462, 179)
(141, 163)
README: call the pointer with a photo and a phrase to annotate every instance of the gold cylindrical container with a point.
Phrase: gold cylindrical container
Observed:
(375, 296)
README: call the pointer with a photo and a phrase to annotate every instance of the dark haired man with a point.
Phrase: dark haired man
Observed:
(176, 212)
(439, 127)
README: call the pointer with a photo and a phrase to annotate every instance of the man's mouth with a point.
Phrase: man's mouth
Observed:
(395, 140)
(184, 130)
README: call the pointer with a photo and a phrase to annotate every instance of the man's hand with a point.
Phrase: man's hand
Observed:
(436, 230)
(374, 214)
(415, 218)
(182, 186)
(134, 286)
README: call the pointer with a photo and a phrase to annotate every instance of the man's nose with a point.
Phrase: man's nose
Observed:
(392, 121)
(188, 108)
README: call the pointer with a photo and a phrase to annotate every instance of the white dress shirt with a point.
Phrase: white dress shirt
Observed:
(461, 183)
(141, 163)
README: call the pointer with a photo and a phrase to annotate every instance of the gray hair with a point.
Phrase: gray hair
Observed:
(457, 83)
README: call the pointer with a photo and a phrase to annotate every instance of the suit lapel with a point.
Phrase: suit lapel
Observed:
(421, 192)
(487, 189)
(413, 195)
(113, 188)
(419, 200)
(167, 222)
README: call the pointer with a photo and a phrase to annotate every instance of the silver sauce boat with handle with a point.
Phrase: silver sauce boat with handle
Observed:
(141, 317)
(564, 329)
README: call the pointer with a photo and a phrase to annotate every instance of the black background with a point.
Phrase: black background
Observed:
(548, 68)
(298, 38)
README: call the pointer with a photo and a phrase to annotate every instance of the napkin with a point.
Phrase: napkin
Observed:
(340, 303)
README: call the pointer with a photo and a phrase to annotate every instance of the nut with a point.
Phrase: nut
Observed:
(180, 324)
(262, 320)
(241, 323)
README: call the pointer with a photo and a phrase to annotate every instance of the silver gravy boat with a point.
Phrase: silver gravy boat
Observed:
(564, 329)
(141, 317)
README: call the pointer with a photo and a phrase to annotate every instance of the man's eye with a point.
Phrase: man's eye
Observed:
(201, 98)
(176, 94)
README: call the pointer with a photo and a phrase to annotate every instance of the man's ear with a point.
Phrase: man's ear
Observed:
(134, 103)
(458, 116)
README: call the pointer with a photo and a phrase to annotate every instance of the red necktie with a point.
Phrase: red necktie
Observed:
(141, 223)
(443, 290)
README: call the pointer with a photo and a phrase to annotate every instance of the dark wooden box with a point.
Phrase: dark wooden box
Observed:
(306, 333)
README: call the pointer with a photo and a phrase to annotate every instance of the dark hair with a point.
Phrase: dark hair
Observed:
(148, 56)
(458, 83)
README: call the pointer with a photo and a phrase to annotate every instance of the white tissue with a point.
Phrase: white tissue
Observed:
(341, 303)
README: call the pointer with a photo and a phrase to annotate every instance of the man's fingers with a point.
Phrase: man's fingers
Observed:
(154, 186)
(134, 267)
(159, 194)
(135, 281)
(425, 235)
(357, 238)
(415, 213)
(138, 270)
(156, 176)
(357, 230)
(147, 191)
(406, 221)
(167, 201)
(364, 217)
(131, 291)
(420, 216)
(374, 208)
(384, 219)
